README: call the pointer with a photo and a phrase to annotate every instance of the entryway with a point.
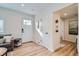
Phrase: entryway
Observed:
(27, 30)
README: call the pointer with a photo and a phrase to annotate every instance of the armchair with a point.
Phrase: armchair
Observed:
(8, 45)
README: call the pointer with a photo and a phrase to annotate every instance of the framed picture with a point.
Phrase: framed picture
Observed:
(73, 27)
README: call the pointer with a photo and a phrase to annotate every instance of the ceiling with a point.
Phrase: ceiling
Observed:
(68, 12)
(30, 8)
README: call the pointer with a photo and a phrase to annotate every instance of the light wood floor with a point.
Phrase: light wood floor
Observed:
(33, 49)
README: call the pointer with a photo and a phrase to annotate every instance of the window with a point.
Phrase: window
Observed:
(38, 25)
(27, 22)
(1, 26)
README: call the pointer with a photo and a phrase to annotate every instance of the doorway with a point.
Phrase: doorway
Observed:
(26, 30)
(67, 26)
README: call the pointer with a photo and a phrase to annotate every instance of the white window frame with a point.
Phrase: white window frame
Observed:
(27, 22)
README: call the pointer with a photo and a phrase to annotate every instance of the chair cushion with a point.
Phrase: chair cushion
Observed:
(8, 38)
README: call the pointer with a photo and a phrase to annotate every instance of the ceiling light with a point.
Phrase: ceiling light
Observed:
(65, 14)
(22, 5)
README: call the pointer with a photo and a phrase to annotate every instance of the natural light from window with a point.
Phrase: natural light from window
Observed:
(27, 22)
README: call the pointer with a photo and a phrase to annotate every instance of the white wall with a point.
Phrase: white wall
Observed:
(49, 26)
(62, 29)
(13, 21)
(46, 39)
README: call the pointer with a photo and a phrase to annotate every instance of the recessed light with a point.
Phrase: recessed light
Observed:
(65, 14)
(22, 5)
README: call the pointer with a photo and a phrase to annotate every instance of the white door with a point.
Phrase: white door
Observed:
(27, 30)
(62, 29)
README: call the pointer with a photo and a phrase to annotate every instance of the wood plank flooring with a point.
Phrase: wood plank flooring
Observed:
(33, 49)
